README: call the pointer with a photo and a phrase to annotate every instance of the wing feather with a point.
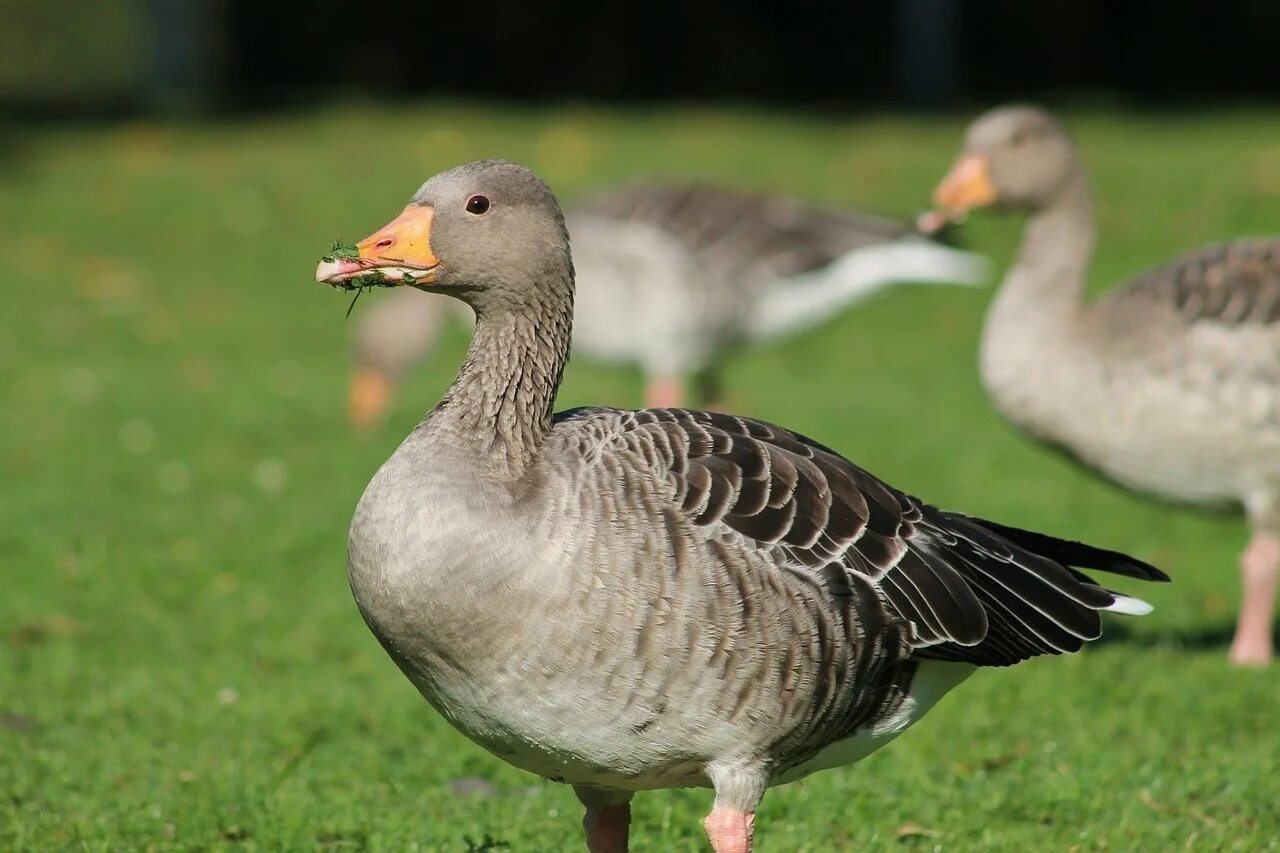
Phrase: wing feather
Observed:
(1234, 283)
(971, 590)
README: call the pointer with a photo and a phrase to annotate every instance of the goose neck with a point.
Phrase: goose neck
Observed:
(498, 410)
(1050, 271)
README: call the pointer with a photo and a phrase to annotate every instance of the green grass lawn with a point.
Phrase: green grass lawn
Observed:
(181, 665)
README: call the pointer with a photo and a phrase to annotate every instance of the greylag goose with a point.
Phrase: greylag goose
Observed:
(632, 600)
(1169, 384)
(670, 277)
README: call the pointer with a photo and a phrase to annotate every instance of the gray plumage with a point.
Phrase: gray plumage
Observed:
(749, 236)
(1235, 283)
(627, 600)
(1168, 384)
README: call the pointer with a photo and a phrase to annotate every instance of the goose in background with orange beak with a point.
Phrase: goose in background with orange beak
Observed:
(1169, 384)
(635, 600)
(672, 278)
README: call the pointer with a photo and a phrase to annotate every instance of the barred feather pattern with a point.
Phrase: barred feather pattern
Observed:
(814, 583)
(1233, 283)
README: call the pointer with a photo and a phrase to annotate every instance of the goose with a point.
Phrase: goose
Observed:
(1168, 385)
(634, 600)
(671, 277)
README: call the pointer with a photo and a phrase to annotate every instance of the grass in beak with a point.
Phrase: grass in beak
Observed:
(366, 281)
(341, 251)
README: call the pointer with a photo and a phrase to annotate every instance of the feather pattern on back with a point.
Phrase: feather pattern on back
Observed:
(1232, 283)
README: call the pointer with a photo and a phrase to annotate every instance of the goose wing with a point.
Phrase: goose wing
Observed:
(971, 590)
(1234, 283)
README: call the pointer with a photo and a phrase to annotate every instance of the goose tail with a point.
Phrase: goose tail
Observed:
(796, 302)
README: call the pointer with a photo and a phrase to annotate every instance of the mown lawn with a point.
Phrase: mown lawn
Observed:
(181, 666)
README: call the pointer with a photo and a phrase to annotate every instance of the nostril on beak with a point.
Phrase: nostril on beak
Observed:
(384, 243)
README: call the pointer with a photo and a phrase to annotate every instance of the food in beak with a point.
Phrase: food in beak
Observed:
(398, 253)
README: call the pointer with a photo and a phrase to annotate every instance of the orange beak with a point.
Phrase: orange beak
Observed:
(369, 396)
(966, 186)
(397, 253)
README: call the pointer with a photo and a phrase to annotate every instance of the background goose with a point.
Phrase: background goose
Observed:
(670, 277)
(629, 600)
(1169, 384)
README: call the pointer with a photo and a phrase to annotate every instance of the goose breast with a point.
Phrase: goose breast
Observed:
(634, 645)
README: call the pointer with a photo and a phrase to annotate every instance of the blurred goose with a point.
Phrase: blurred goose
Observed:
(671, 277)
(631, 600)
(1169, 384)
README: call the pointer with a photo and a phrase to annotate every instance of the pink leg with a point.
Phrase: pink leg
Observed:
(1260, 576)
(607, 821)
(730, 831)
(664, 392)
(368, 399)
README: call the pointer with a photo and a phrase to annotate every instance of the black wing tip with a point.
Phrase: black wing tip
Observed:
(1148, 571)
(1104, 560)
(1072, 553)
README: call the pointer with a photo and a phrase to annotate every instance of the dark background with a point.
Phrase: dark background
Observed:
(61, 57)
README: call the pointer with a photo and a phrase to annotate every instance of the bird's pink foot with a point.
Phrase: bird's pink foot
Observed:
(368, 399)
(730, 831)
(664, 392)
(1250, 651)
(1260, 577)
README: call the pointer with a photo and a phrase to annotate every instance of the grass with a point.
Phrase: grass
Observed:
(181, 666)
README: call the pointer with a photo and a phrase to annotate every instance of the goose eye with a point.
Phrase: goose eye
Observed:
(1017, 139)
(477, 204)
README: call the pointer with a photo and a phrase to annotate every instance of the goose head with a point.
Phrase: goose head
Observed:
(488, 232)
(1015, 157)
